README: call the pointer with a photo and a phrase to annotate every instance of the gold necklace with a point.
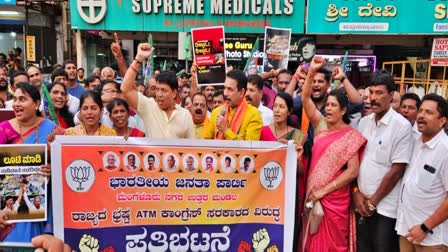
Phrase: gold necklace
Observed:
(275, 129)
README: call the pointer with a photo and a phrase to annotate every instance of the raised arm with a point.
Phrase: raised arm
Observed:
(128, 88)
(193, 80)
(352, 93)
(271, 74)
(116, 51)
(300, 73)
(311, 111)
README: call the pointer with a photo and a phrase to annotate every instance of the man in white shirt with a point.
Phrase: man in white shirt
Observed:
(388, 151)
(162, 117)
(422, 220)
(254, 94)
(410, 103)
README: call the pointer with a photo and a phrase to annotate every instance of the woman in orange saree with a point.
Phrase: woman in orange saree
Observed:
(334, 165)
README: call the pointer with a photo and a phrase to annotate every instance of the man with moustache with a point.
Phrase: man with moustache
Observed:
(198, 111)
(422, 219)
(385, 158)
(254, 94)
(236, 119)
(92, 81)
(18, 77)
(218, 99)
(4, 94)
(367, 110)
(190, 164)
(131, 162)
(162, 117)
(151, 163)
(73, 86)
(208, 91)
(410, 104)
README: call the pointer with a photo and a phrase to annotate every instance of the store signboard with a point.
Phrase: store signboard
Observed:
(439, 51)
(31, 48)
(8, 2)
(238, 16)
(378, 17)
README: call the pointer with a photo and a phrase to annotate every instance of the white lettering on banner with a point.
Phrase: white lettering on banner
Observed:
(186, 241)
(363, 26)
(267, 7)
(216, 7)
(256, 7)
(168, 6)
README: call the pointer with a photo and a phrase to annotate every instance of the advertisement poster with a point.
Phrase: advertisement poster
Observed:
(302, 49)
(173, 194)
(23, 192)
(439, 51)
(209, 55)
(276, 48)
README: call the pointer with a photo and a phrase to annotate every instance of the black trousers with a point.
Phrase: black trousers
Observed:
(376, 234)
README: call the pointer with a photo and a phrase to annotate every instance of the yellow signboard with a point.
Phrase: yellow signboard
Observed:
(31, 48)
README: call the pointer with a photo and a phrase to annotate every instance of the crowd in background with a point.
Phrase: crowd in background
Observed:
(372, 164)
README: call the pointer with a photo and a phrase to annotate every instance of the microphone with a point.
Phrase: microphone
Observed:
(223, 111)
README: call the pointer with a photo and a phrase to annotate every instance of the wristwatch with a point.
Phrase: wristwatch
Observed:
(371, 206)
(426, 229)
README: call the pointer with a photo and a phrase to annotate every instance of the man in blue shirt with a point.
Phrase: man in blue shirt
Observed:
(73, 86)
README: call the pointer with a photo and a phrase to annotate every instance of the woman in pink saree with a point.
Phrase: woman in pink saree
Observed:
(334, 165)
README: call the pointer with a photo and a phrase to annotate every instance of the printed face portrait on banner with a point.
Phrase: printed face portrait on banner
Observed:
(111, 161)
(151, 161)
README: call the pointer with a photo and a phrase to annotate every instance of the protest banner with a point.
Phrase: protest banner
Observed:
(209, 55)
(276, 48)
(173, 194)
(23, 192)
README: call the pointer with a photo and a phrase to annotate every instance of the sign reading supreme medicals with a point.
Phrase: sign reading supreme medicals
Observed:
(173, 195)
(238, 16)
(377, 17)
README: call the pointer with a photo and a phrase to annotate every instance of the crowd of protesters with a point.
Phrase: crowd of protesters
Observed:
(372, 176)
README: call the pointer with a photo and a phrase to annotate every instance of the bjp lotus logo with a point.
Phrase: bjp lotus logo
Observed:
(87, 9)
(80, 176)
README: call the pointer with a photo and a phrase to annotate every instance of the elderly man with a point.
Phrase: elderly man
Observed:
(237, 119)
(111, 162)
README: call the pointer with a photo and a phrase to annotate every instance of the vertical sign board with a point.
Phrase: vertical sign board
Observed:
(30, 48)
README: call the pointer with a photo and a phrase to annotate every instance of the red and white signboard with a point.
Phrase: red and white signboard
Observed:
(439, 54)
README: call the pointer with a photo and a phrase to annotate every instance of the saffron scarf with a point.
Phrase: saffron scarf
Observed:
(237, 118)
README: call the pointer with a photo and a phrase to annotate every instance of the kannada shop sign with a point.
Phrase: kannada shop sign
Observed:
(378, 17)
(173, 194)
(238, 16)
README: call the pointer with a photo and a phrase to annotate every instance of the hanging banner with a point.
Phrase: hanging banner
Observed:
(276, 48)
(173, 194)
(30, 48)
(23, 193)
(377, 17)
(439, 51)
(209, 55)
